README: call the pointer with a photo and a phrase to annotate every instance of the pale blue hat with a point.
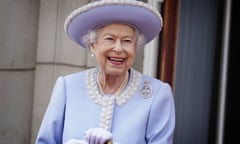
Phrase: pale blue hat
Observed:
(134, 13)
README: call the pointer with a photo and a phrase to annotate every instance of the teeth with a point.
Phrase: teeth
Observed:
(117, 59)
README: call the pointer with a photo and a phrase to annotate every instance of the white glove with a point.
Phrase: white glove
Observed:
(75, 141)
(98, 136)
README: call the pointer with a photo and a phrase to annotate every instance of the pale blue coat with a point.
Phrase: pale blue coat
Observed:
(71, 111)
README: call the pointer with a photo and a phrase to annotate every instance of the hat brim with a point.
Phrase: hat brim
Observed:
(148, 22)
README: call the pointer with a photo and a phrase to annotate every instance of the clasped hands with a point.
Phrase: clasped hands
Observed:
(94, 136)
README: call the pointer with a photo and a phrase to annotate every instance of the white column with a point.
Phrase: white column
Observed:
(150, 60)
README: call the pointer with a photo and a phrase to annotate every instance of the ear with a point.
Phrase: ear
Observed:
(92, 48)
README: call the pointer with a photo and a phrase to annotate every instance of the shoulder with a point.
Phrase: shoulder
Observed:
(72, 78)
(156, 83)
(149, 86)
(75, 75)
(155, 87)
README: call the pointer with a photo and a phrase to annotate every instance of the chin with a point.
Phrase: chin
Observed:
(116, 71)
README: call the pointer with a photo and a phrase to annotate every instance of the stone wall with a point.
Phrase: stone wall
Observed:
(56, 54)
(18, 43)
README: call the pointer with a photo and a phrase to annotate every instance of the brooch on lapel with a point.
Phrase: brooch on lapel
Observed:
(146, 90)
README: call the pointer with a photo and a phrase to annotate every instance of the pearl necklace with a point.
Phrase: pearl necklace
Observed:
(124, 95)
(125, 91)
(119, 90)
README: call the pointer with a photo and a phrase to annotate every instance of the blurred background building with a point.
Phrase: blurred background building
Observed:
(195, 53)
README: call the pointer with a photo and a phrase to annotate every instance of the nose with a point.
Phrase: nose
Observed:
(118, 46)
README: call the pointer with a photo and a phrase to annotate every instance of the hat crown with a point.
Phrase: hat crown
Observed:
(139, 14)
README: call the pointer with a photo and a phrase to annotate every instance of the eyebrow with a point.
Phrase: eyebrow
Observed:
(109, 34)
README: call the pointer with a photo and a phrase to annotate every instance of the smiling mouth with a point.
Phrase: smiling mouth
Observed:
(116, 60)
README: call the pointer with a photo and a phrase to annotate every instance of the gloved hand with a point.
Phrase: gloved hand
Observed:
(75, 141)
(98, 136)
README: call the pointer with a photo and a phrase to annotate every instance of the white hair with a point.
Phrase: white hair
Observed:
(91, 36)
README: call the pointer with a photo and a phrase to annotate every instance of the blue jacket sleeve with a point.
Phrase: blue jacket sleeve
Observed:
(161, 122)
(51, 128)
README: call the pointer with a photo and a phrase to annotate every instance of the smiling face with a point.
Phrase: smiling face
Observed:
(115, 48)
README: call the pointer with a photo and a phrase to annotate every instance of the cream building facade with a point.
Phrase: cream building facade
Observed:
(34, 51)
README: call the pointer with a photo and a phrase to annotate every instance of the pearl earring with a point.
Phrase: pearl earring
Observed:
(92, 55)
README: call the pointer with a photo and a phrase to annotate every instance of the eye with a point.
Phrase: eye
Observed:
(108, 39)
(127, 40)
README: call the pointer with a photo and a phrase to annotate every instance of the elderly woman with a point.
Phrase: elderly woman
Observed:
(112, 103)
